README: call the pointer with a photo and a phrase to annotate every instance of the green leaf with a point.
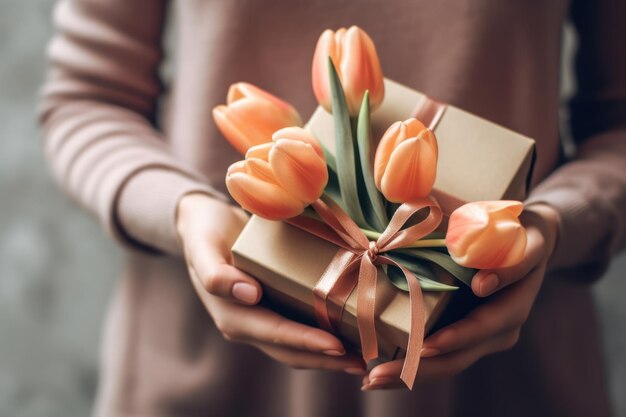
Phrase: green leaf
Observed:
(332, 187)
(375, 210)
(461, 273)
(345, 150)
(331, 162)
(423, 275)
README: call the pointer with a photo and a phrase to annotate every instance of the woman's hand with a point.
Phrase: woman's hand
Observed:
(208, 228)
(492, 327)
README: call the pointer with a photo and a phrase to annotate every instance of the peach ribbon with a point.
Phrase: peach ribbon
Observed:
(354, 266)
(429, 111)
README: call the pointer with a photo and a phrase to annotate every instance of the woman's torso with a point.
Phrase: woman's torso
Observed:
(499, 60)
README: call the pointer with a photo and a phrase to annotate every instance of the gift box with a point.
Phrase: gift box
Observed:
(478, 160)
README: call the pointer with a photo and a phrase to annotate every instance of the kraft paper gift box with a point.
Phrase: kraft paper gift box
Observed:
(478, 160)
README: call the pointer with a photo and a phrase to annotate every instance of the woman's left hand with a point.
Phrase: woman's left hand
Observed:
(492, 327)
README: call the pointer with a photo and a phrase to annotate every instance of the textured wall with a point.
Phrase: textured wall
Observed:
(57, 270)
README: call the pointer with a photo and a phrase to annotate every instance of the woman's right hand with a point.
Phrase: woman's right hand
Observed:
(207, 228)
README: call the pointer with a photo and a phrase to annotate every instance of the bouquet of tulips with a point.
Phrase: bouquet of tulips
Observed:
(370, 198)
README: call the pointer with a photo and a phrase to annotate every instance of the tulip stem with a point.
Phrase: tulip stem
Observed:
(422, 243)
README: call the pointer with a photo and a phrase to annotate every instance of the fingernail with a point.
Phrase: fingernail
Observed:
(378, 383)
(429, 352)
(246, 293)
(335, 352)
(489, 284)
(355, 371)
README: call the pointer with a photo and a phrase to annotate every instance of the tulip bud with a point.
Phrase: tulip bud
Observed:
(405, 165)
(251, 115)
(279, 179)
(487, 234)
(253, 185)
(356, 61)
(298, 162)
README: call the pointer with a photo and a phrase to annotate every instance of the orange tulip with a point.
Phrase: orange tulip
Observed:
(254, 186)
(356, 61)
(487, 234)
(251, 115)
(279, 179)
(405, 165)
(298, 162)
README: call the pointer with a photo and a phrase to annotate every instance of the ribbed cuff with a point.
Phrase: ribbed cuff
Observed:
(146, 208)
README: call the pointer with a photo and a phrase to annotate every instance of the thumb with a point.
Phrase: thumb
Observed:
(210, 262)
(488, 281)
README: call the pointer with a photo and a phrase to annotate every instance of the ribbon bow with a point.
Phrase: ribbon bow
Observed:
(356, 250)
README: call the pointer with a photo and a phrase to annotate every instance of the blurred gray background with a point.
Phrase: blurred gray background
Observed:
(57, 270)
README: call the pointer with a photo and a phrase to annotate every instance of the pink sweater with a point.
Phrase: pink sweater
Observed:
(113, 150)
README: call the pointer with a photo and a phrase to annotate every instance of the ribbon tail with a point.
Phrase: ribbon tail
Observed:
(330, 285)
(366, 308)
(417, 324)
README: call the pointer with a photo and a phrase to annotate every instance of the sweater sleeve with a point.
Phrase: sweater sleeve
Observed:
(589, 191)
(98, 118)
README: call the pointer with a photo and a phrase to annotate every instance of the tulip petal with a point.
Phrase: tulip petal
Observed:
(428, 136)
(237, 167)
(383, 151)
(262, 114)
(413, 127)
(340, 38)
(500, 245)
(393, 137)
(265, 199)
(298, 133)
(513, 246)
(518, 249)
(321, 83)
(235, 92)
(235, 136)
(353, 69)
(360, 70)
(244, 90)
(254, 122)
(486, 235)
(354, 56)
(505, 207)
(299, 169)
(260, 169)
(465, 226)
(377, 82)
(252, 116)
(261, 151)
(411, 171)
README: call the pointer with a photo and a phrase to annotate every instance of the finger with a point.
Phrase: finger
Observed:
(298, 359)
(387, 375)
(488, 281)
(209, 263)
(260, 325)
(445, 366)
(384, 376)
(506, 312)
(472, 330)
(226, 281)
